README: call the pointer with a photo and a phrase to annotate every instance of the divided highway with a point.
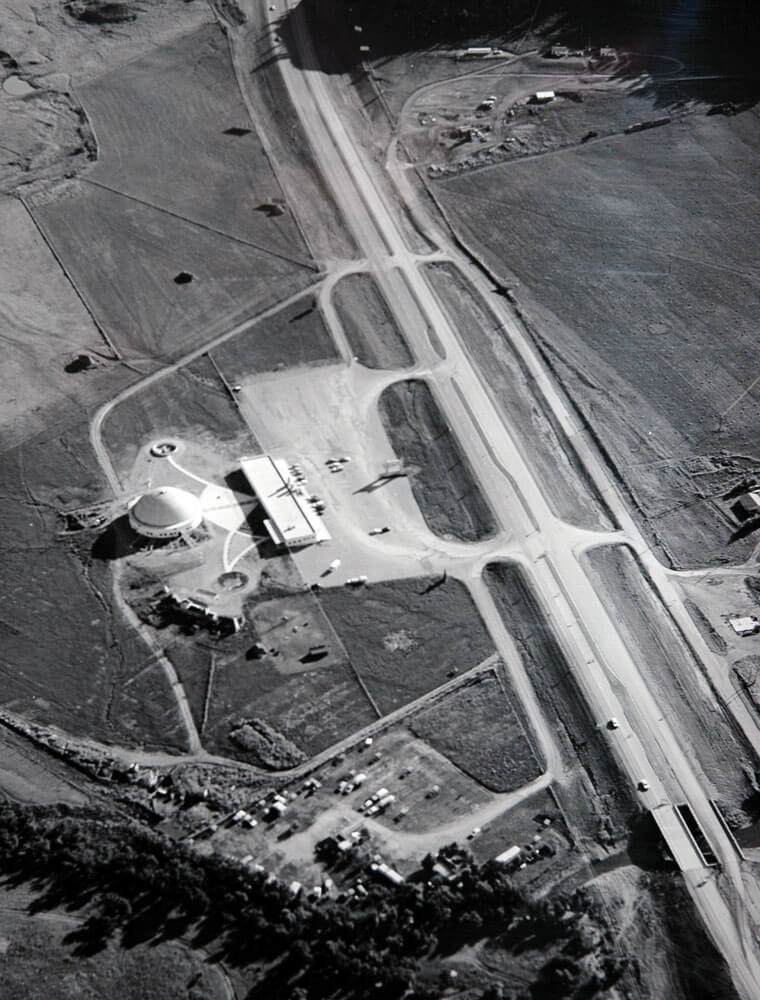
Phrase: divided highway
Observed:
(645, 746)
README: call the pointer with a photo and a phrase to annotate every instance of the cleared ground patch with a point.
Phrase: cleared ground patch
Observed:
(560, 699)
(671, 671)
(406, 637)
(543, 442)
(370, 328)
(441, 477)
(634, 257)
(478, 729)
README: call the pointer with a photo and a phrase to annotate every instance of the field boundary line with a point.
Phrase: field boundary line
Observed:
(312, 265)
(117, 356)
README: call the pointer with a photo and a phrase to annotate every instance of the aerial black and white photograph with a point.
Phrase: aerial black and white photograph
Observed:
(380, 503)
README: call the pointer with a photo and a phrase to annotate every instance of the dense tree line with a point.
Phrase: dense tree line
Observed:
(145, 886)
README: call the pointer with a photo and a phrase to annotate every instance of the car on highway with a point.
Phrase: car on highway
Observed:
(613, 724)
(643, 785)
(379, 531)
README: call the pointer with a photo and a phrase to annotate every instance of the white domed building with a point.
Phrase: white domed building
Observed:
(165, 512)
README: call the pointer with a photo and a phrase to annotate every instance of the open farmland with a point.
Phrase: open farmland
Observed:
(406, 637)
(68, 656)
(172, 193)
(478, 729)
(368, 322)
(532, 424)
(442, 479)
(634, 258)
(672, 672)
(561, 701)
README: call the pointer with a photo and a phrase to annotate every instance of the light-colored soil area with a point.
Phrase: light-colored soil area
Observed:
(532, 425)
(672, 673)
(368, 323)
(442, 479)
(42, 956)
(648, 267)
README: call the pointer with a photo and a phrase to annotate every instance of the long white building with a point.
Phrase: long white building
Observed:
(290, 521)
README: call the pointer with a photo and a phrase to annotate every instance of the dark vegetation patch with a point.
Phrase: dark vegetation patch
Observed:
(714, 639)
(369, 325)
(69, 657)
(133, 883)
(264, 745)
(564, 706)
(101, 11)
(480, 732)
(441, 477)
(542, 440)
(406, 637)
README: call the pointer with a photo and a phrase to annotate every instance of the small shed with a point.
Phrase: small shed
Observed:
(507, 857)
(543, 96)
(746, 625)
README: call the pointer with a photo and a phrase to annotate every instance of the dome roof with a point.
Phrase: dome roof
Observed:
(165, 511)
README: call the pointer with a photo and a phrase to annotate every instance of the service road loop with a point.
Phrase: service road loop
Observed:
(377, 234)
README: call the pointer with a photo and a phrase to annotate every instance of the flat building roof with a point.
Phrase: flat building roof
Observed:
(289, 521)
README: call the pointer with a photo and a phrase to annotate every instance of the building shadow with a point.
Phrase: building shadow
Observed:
(119, 540)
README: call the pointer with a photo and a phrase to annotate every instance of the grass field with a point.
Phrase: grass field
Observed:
(161, 122)
(560, 699)
(294, 335)
(633, 257)
(68, 657)
(405, 637)
(40, 959)
(478, 729)
(532, 424)
(370, 328)
(189, 403)
(123, 256)
(671, 672)
(441, 478)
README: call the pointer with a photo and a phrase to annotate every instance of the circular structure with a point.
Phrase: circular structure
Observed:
(165, 513)
(161, 449)
(233, 580)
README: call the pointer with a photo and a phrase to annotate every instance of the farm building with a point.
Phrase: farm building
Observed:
(749, 503)
(165, 512)
(289, 521)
